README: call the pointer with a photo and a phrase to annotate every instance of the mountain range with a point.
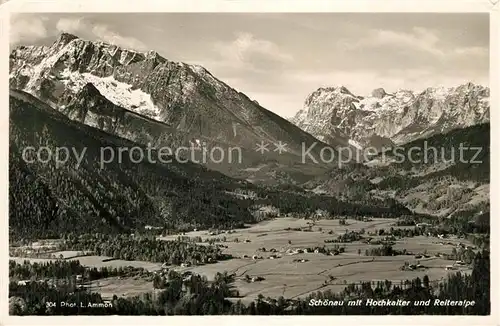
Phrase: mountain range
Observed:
(82, 94)
(148, 99)
(385, 119)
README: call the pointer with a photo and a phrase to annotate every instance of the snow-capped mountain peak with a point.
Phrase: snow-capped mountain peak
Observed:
(397, 117)
(186, 100)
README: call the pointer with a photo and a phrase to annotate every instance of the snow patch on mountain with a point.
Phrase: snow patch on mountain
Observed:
(355, 144)
(119, 93)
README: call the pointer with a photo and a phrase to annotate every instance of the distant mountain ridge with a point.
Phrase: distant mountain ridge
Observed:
(383, 119)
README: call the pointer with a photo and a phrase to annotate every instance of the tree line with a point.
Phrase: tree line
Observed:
(62, 269)
(145, 248)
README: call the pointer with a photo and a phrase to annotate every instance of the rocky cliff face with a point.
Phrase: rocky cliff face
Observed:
(383, 119)
(145, 97)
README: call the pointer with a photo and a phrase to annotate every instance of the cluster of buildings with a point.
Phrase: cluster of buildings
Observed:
(455, 265)
(217, 232)
(300, 260)
(150, 227)
(276, 255)
(412, 267)
(297, 251)
(254, 279)
(52, 282)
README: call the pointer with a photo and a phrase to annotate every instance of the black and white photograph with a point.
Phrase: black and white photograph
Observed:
(249, 163)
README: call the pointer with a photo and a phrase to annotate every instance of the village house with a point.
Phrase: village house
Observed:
(23, 282)
(300, 260)
(266, 212)
(256, 279)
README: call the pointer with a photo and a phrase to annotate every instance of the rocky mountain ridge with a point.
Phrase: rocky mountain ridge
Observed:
(172, 103)
(384, 119)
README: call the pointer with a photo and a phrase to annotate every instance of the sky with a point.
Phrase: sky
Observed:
(278, 59)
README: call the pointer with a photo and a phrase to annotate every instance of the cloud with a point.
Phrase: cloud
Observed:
(70, 25)
(246, 61)
(248, 51)
(100, 31)
(26, 28)
(473, 50)
(106, 35)
(420, 39)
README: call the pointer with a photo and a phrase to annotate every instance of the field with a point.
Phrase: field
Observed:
(284, 275)
(122, 286)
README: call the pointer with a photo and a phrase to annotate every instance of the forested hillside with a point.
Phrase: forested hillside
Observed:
(440, 175)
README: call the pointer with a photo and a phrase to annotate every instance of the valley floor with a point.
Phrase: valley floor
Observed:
(285, 275)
